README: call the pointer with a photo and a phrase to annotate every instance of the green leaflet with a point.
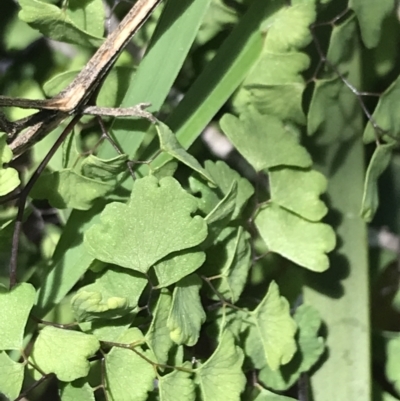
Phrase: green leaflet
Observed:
(275, 86)
(229, 260)
(156, 222)
(80, 185)
(76, 390)
(223, 176)
(378, 164)
(55, 23)
(392, 368)
(128, 376)
(266, 395)
(114, 294)
(177, 266)
(221, 378)
(177, 386)
(157, 337)
(309, 350)
(303, 242)
(11, 376)
(69, 189)
(186, 314)
(9, 179)
(108, 329)
(220, 216)
(275, 328)
(298, 17)
(218, 16)
(371, 15)
(264, 141)
(64, 352)
(299, 191)
(170, 145)
(15, 306)
(385, 115)
(104, 170)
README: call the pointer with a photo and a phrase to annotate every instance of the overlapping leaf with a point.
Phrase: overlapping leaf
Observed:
(55, 23)
(128, 376)
(177, 266)
(64, 352)
(385, 114)
(156, 222)
(187, 314)
(114, 294)
(230, 258)
(275, 328)
(69, 189)
(170, 145)
(11, 376)
(371, 15)
(378, 164)
(303, 242)
(223, 176)
(77, 390)
(310, 348)
(264, 141)
(15, 306)
(299, 191)
(221, 378)
(177, 386)
(275, 86)
(157, 337)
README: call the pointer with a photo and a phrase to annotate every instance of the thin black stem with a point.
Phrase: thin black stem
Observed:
(24, 196)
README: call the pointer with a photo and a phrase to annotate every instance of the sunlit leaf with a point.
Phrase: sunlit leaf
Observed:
(303, 242)
(64, 352)
(77, 390)
(11, 376)
(275, 328)
(177, 386)
(264, 141)
(289, 30)
(15, 306)
(275, 86)
(371, 15)
(177, 266)
(156, 222)
(128, 376)
(114, 294)
(299, 191)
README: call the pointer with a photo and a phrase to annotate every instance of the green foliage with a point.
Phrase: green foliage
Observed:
(170, 274)
(8, 176)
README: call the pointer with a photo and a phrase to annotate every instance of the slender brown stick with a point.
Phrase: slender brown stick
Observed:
(77, 94)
